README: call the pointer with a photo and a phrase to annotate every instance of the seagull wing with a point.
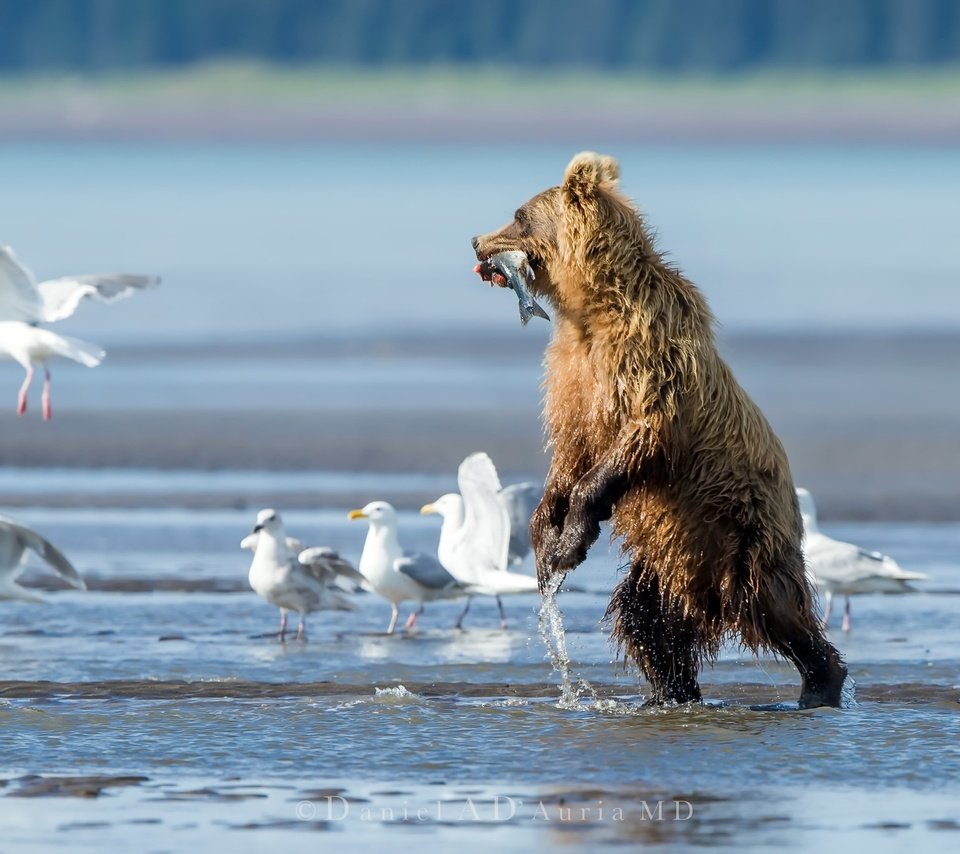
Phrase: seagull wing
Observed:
(845, 567)
(251, 541)
(19, 297)
(328, 567)
(426, 571)
(520, 500)
(294, 545)
(60, 297)
(46, 550)
(886, 567)
(486, 526)
(12, 548)
(496, 583)
(835, 562)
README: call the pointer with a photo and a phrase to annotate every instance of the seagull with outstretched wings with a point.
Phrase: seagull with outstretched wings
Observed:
(26, 303)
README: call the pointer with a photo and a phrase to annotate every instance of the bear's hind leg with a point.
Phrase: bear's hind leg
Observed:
(820, 665)
(664, 644)
(793, 630)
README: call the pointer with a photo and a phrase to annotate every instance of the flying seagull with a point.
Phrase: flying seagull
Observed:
(26, 303)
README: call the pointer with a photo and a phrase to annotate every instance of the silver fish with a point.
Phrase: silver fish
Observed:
(511, 269)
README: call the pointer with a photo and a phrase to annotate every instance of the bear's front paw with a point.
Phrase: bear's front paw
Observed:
(545, 547)
(569, 553)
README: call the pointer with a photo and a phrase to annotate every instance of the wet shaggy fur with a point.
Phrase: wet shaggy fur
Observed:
(650, 429)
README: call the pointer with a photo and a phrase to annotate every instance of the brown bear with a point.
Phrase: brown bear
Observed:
(650, 429)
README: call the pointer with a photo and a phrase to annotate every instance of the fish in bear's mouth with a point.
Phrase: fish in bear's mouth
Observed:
(487, 270)
(512, 269)
(489, 273)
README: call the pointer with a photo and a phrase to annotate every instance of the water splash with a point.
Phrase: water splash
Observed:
(399, 694)
(396, 696)
(573, 688)
(848, 690)
(508, 703)
(550, 625)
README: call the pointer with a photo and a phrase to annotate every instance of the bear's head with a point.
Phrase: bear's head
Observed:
(557, 228)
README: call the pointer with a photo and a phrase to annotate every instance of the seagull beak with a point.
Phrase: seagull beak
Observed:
(427, 510)
(356, 514)
(257, 529)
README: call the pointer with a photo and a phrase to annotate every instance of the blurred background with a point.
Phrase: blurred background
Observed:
(306, 177)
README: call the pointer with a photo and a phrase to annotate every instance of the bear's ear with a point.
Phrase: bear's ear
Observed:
(591, 169)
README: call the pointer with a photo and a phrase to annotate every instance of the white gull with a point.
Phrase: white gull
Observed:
(839, 568)
(296, 579)
(397, 575)
(25, 303)
(475, 535)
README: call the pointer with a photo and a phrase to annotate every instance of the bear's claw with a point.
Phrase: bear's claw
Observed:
(568, 556)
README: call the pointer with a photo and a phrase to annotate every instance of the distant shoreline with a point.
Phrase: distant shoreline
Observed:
(259, 104)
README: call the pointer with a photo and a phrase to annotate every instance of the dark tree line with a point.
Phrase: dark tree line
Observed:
(612, 35)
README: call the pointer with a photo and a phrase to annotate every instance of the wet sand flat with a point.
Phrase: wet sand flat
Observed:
(869, 420)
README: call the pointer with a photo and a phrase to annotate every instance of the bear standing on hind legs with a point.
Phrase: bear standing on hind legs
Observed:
(650, 429)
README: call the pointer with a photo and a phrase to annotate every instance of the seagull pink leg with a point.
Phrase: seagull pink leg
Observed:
(47, 411)
(503, 615)
(412, 619)
(22, 397)
(283, 624)
(846, 616)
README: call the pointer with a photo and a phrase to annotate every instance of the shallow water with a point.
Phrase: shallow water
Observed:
(188, 688)
(158, 711)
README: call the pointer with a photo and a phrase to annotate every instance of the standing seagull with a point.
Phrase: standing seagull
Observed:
(305, 582)
(15, 541)
(396, 575)
(845, 569)
(322, 561)
(474, 542)
(24, 303)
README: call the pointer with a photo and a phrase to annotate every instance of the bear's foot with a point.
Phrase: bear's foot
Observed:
(655, 633)
(678, 694)
(827, 689)
(820, 665)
